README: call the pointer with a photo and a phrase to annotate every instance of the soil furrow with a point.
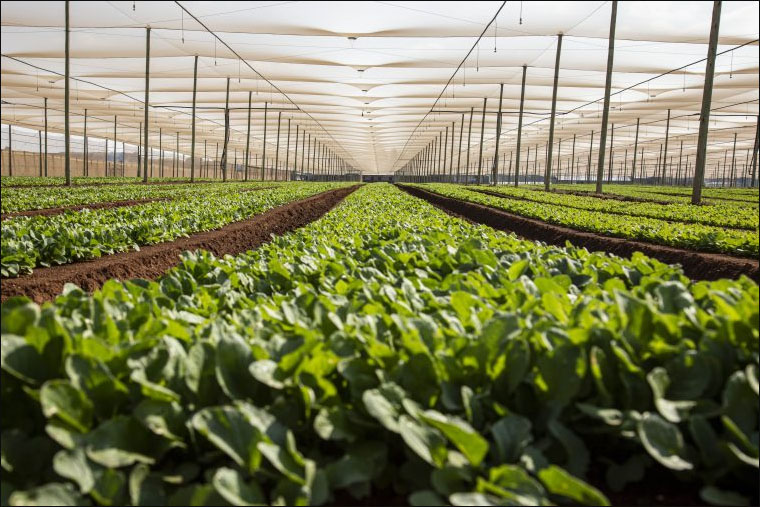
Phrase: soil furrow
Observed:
(152, 261)
(696, 265)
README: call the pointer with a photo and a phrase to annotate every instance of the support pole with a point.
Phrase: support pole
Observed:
(277, 147)
(665, 152)
(264, 154)
(606, 110)
(451, 157)
(704, 117)
(223, 165)
(46, 139)
(612, 142)
(147, 102)
(755, 152)
(287, 154)
(548, 171)
(482, 132)
(680, 157)
(192, 139)
(469, 139)
(495, 167)
(445, 150)
(10, 150)
(572, 161)
(114, 146)
(635, 150)
(519, 128)
(39, 136)
(295, 154)
(732, 178)
(86, 148)
(66, 131)
(459, 155)
(139, 151)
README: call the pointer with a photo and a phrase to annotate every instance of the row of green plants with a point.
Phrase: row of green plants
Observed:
(387, 351)
(699, 237)
(724, 196)
(30, 242)
(33, 198)
(7, 181)
(719, 215)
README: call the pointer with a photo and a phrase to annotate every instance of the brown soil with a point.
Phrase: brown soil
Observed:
(696, 265)
(78, 207)
(609, 212)
(152, 261)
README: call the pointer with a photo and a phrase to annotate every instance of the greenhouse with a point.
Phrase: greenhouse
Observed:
(380, 253)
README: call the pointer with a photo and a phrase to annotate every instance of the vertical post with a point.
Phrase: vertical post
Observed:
(755, 152)
(446, 149)
(572, 161)
(247, 139)
(303, 151)
(46, 140)
(114, 146)
(519, 127)
(459, 154)
(264, 154)
(308, 157)
(10, 150)
(105, 159)
(660, 165)
(175, 157)
(469, 138)
(66, 132)
(588, 164)
(287, 153)
(223, 165)
(139, 151)
(147, 102)
(277, 146)
(39, 136)
(192, 139)
(160, 153)
(704, 117)
(438, 156)
(635, 150)
(295, 154)
(680, 157)
(665, 151)
(451, 158)
(482, 131)
(606, 110)
(548, 172)
(495, 167)
(612, 142)
(204, 165)
(732, 177)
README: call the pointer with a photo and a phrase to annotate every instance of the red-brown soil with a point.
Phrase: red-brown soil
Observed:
(152, 261)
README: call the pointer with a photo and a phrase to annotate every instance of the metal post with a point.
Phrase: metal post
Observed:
(469, 138)
(612, 142)
(459, 153)
(588, 164)
(114, 146)
(160, 153)
(66, 132)
(755, 152)
(680, 157)
(287, 154)
(295, 154)
(175, 158)
(277, 147)
(39, 136)
(192, 141)
(660, 165)
(732, 177)
(519, 127)
(445, 150)
(223, 165)
(635, 150)
(548, 172)
(10, 150)
(665, 152)
(482, 131)
(606, 109)
(139, 151)
(495, 167)
(572, 161)
(46, 139)
(147, 102)
(303, 151)
(264, 153)
(451, 158)
(308, 157)
(704, 117)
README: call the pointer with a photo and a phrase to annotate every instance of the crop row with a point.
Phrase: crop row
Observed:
(28, 242)
(724, 196)
(31, 198)
(692, 236)
(718, 215)
(6, 181)
(386, 349)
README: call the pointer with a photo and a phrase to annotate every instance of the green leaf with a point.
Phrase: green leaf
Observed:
(426, 442)
(145, 488)
(512, 433)
(231, 486)
(233, 357)
(53, 493)
(561, 483)
(229, 430)
(575, 450)
(60, 399)
(74, 465)
(461, 434)
(426, 497)
(122, 441)
(663, 441)
(715, 496)
(21, 359)
(381, 408)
